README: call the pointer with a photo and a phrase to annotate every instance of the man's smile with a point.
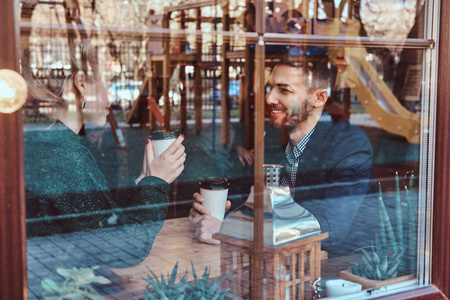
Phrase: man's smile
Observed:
(278, 110)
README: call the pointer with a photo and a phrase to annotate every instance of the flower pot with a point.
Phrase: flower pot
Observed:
(369, 283)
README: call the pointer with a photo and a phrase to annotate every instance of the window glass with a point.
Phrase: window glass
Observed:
(141, 122)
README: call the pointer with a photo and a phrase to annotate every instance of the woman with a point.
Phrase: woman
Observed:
(65, 190)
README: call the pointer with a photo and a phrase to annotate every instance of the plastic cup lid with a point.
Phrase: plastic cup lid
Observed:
(163, 135)
(214, 183)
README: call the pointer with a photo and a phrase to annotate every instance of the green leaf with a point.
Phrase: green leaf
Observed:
(384, 265)
(398, 211)
(205, 279)
(355, 270)
(381, 215)
(196, 281)
(378, 273)
(100, 279)
(50, 285)
(386, 223)
(214, 286)
(378, 246)
(393, 269)
(366, 256)
(63, 272)
(376, 259)
(174, 275)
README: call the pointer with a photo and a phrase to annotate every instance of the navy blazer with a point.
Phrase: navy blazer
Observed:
(335, 176)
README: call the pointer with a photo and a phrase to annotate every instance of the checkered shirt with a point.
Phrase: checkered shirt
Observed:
(292, 158)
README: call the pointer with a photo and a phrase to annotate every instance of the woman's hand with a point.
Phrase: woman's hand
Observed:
(168, 166)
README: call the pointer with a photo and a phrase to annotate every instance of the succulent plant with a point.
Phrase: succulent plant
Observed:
(380, 264)
(391, 255)
(411, 247)
(166, 290)
(202, 288)
(77, 285)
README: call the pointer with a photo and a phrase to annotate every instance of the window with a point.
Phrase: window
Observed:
(352, 98)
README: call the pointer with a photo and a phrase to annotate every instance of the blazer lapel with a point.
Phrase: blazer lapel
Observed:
(312, 155)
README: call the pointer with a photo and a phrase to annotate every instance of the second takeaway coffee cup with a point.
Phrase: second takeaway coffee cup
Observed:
(215, 191)
(162, 140)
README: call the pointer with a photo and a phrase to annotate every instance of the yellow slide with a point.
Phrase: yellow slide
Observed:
(373, 93)
(378, 99)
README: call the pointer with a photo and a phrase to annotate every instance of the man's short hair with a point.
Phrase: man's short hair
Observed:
(319, 71)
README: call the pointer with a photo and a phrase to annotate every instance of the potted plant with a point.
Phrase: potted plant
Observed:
(390, 259)
(201, 288)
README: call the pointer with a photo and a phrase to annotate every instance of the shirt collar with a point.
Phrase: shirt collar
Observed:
(294, 152)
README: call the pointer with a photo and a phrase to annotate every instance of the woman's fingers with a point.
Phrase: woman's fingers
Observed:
(174, 147)
(179, 170)
(149, 149)
(180, 161)
(179, 152)
(145, 162)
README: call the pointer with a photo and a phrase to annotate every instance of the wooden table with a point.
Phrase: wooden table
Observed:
(175, 242)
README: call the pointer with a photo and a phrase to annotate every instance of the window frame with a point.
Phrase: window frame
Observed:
(13, 278)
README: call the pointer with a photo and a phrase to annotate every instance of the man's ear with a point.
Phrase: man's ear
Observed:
(320, 97)
(79, 81)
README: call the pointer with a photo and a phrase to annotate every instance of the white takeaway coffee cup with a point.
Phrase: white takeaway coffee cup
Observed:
(215, 191)
(162, 139)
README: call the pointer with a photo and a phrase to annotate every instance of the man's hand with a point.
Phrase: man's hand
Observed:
(245, 155)
(205, 225)
(199, 210)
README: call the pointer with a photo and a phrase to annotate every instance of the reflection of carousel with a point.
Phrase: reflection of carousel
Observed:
(291, 252)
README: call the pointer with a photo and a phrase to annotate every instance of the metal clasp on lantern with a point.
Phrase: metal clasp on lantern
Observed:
(317, 287)
(280, 273)
(272, 175)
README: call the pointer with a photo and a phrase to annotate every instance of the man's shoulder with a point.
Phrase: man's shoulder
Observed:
(340, 136)
(340, 126)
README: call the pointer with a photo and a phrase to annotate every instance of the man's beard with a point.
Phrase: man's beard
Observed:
(296, 116)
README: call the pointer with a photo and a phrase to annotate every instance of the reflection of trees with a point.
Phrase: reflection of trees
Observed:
(389, 19)
(127, 51)
(398, 19)
(119, 13)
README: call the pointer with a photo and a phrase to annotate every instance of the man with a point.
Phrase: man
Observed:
(328, 160)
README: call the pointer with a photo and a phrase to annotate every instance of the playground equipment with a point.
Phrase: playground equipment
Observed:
(356, 72)
(176, 49)
(373, 93)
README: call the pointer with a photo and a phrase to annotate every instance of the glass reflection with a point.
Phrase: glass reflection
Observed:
(75, 216)
(334, 141)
